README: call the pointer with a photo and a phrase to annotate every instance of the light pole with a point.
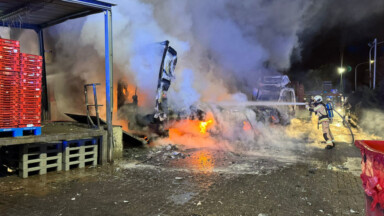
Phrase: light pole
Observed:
(370, 62)
(341, 70)
(373, 45)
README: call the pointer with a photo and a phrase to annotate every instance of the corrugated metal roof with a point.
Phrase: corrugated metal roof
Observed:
(37, 14)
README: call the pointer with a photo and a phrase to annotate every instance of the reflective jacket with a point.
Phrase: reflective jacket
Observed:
(320, 111)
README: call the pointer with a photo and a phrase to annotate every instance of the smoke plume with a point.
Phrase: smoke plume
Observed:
(223, 47)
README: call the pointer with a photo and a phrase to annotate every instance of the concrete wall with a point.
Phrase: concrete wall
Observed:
(117, 142)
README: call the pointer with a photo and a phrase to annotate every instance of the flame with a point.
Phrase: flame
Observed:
(203, 126)
(246, 126)
(194, 133)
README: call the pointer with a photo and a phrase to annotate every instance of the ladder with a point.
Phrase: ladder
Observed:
(89, 119)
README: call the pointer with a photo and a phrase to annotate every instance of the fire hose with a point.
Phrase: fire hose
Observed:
(348, 126)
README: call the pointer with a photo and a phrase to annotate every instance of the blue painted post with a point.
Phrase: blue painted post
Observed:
(44, 98)
(109, 79)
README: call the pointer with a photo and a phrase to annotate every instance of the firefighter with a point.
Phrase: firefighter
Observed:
(320, 110)
(167, 74)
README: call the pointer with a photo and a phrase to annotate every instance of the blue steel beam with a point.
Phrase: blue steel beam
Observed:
(109, 78)
(20, 25)
(44, 98)
(92, 3)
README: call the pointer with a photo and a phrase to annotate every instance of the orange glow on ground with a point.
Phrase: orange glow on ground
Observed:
(203, 161)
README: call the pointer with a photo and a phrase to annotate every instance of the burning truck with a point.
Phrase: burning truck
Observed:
(164, 121)
(275, 88)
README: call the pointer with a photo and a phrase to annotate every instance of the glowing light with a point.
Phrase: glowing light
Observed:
(341, 70)
(372, 61)
(203, 126)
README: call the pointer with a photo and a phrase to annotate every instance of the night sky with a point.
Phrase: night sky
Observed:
(348, 36)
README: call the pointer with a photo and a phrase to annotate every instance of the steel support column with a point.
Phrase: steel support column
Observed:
(44, 97)
(109, 78)
(374, 65)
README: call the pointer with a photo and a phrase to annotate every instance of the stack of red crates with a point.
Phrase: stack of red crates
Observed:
(10, 78)
(30, 95)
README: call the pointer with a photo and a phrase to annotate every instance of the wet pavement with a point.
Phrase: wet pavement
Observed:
(179, 180)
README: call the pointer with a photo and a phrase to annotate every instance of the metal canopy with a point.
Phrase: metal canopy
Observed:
(39, 14)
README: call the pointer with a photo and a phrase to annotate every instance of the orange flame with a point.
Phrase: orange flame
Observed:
(203, 126)
(246, 126)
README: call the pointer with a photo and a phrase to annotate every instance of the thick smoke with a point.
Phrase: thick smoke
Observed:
(372, 121)
(223, 47)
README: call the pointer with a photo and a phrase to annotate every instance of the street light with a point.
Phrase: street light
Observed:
(341, 70)
(371, 62)
(373, 45)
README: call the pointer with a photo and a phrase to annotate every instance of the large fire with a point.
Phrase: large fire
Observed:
(194, 133)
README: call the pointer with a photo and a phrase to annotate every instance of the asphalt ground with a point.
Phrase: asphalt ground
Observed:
(174, 180)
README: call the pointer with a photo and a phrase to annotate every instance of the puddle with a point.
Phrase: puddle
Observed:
(180, 199)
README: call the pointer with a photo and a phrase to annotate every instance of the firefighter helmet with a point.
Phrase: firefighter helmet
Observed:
(318, 98)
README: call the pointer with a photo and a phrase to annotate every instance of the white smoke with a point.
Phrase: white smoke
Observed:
(220, 47)
(5, 32)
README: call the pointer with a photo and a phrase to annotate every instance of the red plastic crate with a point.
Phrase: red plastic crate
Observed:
(28, 109)
(30, 56)
(30, 80)
(37, 73)
(8, 114)
(7, 63)
(31, 92)
(10, 52)
(9, 73)
(9, 126)
(30, 59)
(35, 90)
(8, 42)
(32, 76)
(32, 62)
(9, 58)
(27, 64)
(10, 49)
(29, 98)
(30, 67)
(10, 68)
(5, 80)
(36, 119)
(10, 97)
(36, 103)
(29, 121)
(10, 86)
(9, 118)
